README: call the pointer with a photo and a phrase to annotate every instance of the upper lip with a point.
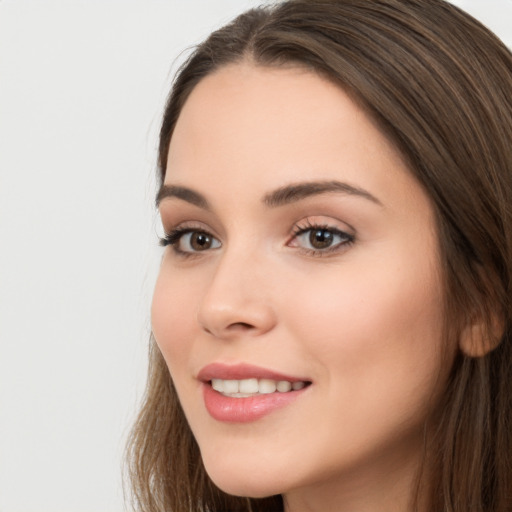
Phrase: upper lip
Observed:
(242, 371)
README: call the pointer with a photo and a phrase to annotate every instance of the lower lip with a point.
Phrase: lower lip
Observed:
(244, 410)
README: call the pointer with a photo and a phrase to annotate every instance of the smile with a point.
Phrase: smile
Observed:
(243, 393)
(252, 387)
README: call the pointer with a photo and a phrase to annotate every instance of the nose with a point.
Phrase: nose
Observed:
(237, 300)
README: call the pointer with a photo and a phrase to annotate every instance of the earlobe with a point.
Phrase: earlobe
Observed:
(478, 338)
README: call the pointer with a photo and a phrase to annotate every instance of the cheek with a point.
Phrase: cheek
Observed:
(374, 330)
(171, 318)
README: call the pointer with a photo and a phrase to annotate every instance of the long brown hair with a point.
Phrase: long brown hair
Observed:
(440, 86)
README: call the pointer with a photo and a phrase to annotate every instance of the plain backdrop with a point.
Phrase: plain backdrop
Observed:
(82, 86)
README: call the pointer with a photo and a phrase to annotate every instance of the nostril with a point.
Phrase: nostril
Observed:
(241, 325)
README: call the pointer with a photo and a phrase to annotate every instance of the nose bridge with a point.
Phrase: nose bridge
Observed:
(236, 299)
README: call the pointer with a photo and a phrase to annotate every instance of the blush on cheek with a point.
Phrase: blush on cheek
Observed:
(380, 313)
(167, 317)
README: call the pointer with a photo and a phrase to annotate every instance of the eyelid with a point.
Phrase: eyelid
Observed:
(322, 222)
(310, 224)
(187, 225)
(174, 236)
(345, 237)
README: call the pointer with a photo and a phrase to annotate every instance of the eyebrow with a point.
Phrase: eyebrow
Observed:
(184, 193)
(296, 192)
(280, 197)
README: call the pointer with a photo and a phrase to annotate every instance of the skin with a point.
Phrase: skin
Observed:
(362, 321)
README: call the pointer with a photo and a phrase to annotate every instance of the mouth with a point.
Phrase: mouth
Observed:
(244, 393)
(245, 388)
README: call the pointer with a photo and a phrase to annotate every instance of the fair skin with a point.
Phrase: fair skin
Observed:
(353, 305)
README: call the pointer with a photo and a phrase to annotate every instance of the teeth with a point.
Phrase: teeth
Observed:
(231, 386)
(250, 387)
(283, 386)
(267, 386)
(218, 385)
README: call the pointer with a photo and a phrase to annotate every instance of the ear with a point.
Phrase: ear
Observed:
(479, 337)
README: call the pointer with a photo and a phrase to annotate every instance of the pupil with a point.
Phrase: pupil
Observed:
(200, 241)
(321, 238)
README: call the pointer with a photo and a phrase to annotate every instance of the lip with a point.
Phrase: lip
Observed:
(247, 409)
(242, 371)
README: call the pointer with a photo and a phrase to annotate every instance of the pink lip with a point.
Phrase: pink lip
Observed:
(244, 410)
(242, 371)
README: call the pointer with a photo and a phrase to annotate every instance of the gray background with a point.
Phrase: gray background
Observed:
(82, 85)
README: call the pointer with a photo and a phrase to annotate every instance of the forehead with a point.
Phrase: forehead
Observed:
(257, 128)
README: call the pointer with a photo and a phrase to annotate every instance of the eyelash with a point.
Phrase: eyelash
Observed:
(174, 237)
(308, 226)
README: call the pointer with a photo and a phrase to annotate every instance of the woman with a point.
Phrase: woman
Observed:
(331, 319)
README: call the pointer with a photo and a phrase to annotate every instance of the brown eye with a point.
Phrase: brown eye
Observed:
(321, 238)
(200, 241)
(194, 241)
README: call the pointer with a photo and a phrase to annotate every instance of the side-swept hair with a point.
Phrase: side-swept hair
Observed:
(439, 84)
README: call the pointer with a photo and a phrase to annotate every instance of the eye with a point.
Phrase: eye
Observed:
(320, 239)
(189, 241)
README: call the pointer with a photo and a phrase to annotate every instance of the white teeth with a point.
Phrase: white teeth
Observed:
(283, 386)
(253, 386)
(218, 385)
(248, 386)
(267, 386)
(231, 386)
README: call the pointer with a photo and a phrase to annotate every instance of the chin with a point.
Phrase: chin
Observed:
(247, 484)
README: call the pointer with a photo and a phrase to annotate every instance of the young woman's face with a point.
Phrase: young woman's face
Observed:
(302, 254)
